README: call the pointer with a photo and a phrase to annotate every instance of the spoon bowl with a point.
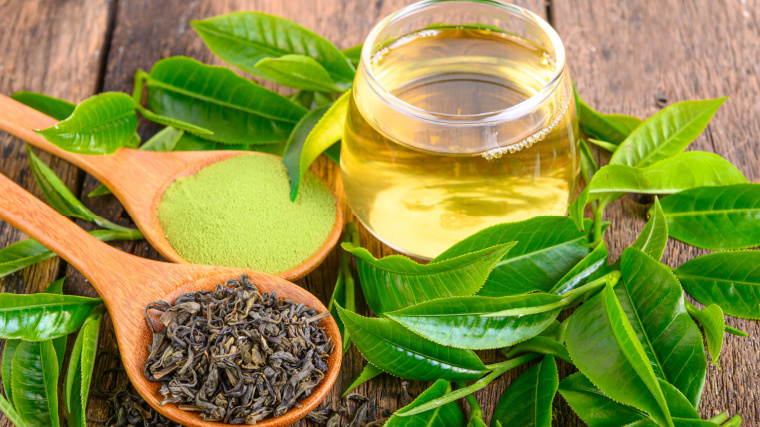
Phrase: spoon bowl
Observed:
(139, 178)
(127, 284)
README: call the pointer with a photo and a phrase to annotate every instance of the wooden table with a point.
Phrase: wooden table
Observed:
(621, 54)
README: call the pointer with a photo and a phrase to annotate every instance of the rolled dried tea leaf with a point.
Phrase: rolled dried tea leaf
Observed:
(130, 409)
(235, 355)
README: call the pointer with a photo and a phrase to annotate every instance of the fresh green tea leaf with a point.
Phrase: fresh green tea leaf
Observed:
(50, 373)
(476, 322)
(294, 147)
(680, 172)
(300, 72)
(53, 107)
(333, 153)
(604, 145)
(577, 209)
(34, 381)
(100, 190)
(81, 366)
(8, 352)
(593, 406)
(344, 294)
(540, 345)
(316, 134)
(599, 330)
(547, 248)
(322, 99)
(527, 402)
(245, 38)
(654, 237)
(583, 272)
(680, 407)
(63, 200)
(354, 54)
(446, 415)
(653, 300)
(43, 316)
(730, 280)
(608, 127)
(236, 110)
(716, 218)
(400, 352)
(339, 298)
(665, 134)
(598, 410)
(498, 370)
(59, 344)
(20, 255)
(164, 140)
(137, 96)
(56, 192)
(90, 331)
(72, 381)
(190, 142)
(714, 327)
(304, 98)
(370, 371)
(395, 281)
(100, 124)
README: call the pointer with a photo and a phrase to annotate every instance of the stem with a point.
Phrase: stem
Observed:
(611, 277)
(734, 331)
(129, 233)
(498, 369)
(720, 418)
(598, 213)
(137, 92)
(352, 235)
(475, 411)
(10, 412)
(568, 298)
(736, 421)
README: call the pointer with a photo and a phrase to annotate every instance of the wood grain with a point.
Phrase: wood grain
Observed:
(157, 170)
(623, 53)
(41, 52)
(57, 48)
(146, 32)
(128, 284)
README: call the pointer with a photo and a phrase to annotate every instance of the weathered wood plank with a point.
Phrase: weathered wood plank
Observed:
(147, 31)
(623, 53)
(55, 48)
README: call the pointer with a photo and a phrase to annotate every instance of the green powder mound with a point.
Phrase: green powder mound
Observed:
(238, 213)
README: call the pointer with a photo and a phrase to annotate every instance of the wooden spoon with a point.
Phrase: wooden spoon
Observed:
(128, 284)
(139, 178)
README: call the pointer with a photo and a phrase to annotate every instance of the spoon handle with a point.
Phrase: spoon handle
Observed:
(102, 264)
(21, 121)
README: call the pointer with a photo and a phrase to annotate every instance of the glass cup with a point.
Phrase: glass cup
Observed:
(462, 117)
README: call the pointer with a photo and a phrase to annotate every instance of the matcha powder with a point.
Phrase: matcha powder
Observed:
(238, 213)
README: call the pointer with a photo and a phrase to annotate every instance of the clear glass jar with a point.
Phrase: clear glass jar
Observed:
(462, 117)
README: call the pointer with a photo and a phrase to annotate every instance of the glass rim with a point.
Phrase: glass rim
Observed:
(513, 112)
